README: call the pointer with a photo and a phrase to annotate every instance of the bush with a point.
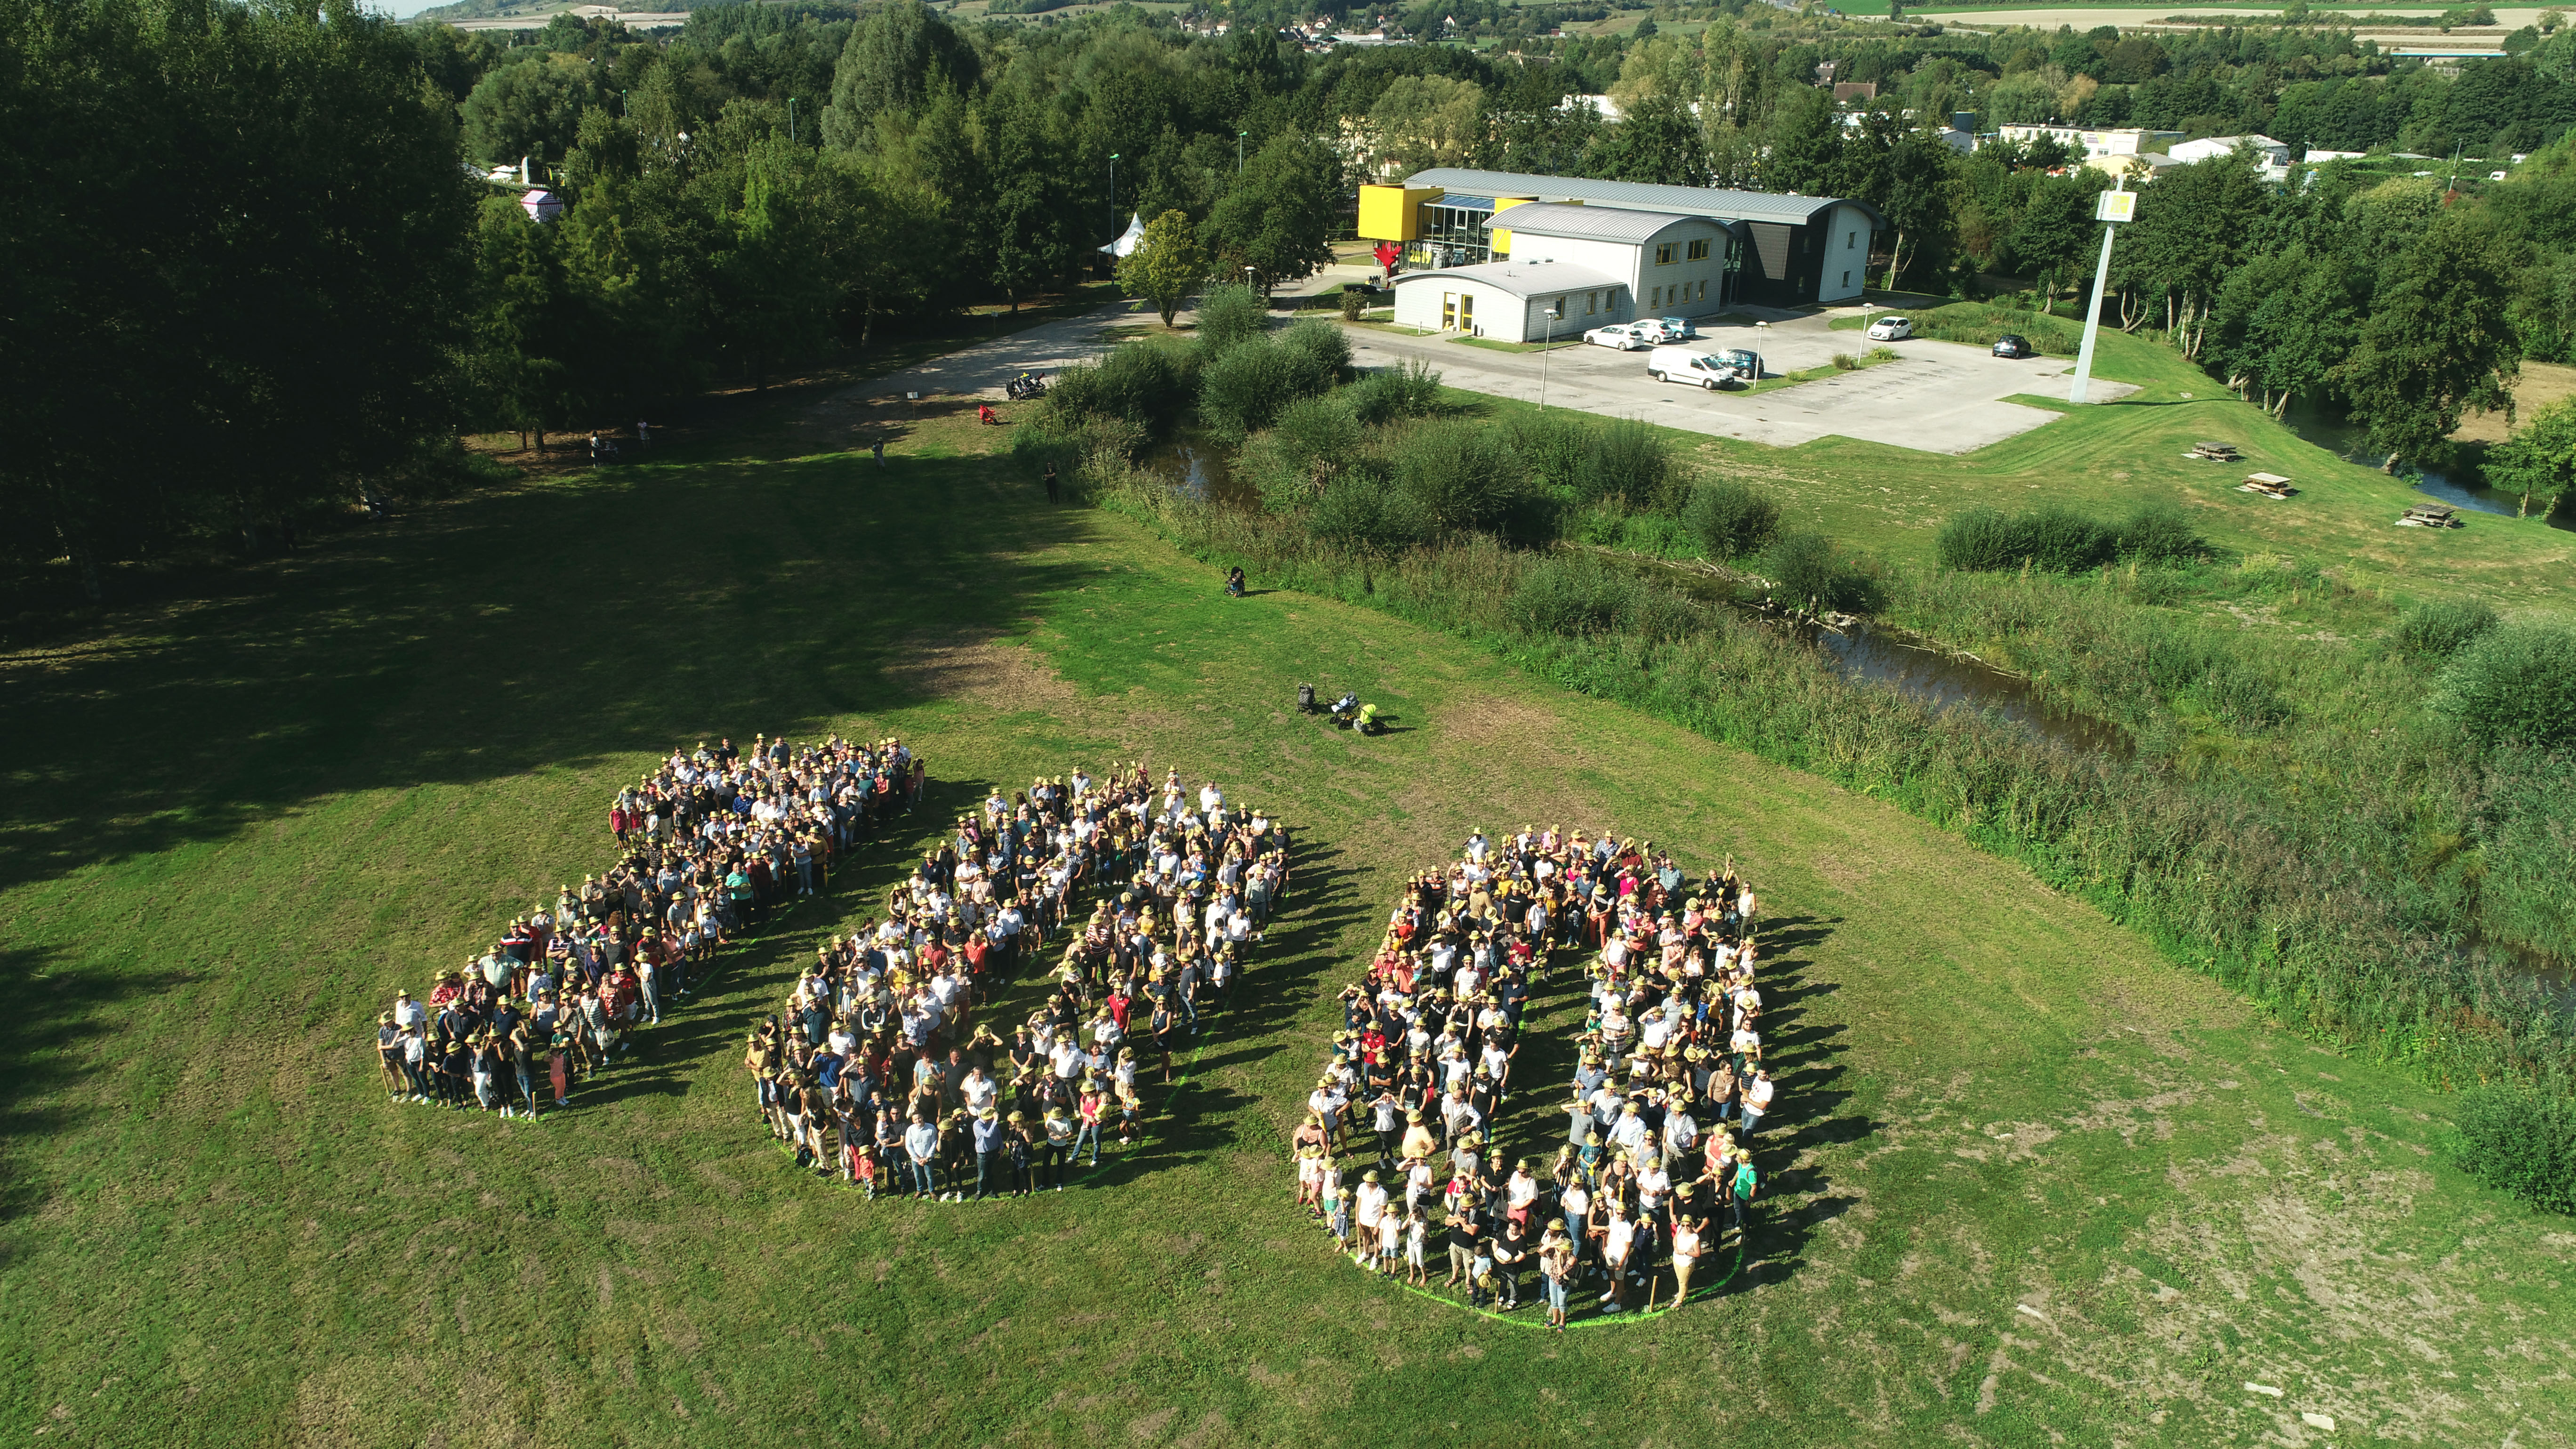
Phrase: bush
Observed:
(1978, 540)
(1360, 511)
(2161, 533)
(1141, 382)
(1731, 518)
(1354, 303)
(2528, 894)
(1459, 475)
(2522, 1141)
(1806, 565)
(1845, 362)
(1318, 354)
(1979, 324)
(1405, 391)
(2063, 541)
(2436, 631)
(1229, 313)
(2513, 684)
(1626, 459)
(1573, 594)
(1552, 447)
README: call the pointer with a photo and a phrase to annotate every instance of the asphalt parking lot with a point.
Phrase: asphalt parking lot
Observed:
(1940, 397)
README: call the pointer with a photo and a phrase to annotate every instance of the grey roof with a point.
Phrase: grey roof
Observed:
(1521, 279)
(1597, 223)
(1639, 195)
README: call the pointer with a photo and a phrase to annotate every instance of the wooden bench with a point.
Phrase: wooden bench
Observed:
(2430, 515)
(2270, 485)
(2215, 452)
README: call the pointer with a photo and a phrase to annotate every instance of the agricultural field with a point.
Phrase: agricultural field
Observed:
(2033, 1182)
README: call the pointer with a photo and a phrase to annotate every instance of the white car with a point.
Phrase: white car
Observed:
(1891, 329)
(1680, 364)
(1624, 337)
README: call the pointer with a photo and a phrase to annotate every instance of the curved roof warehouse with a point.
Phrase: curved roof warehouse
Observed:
(1771, 250)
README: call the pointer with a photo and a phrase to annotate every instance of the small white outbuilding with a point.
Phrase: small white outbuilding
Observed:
(1511, 301)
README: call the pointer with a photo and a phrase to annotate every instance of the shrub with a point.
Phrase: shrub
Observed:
(2515, 683)
(1806, 565)
(1978, 540)
(1246, 388)
(2161, 533)
(1573, 594)
(1405, 391)
(1552, 447)
(2060, 540)
(1845, 362)
(1626, 459)
(2438, 630)
(1318, 354)
(1458, 475)
(2528, 894)
(2520, 1140)
(1361, 511)
(1141, 382)
(1884, 354)
(1354, 303)
(1730, 518)
(1229, 313)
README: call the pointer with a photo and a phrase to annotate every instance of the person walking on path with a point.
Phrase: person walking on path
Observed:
(1052, 495)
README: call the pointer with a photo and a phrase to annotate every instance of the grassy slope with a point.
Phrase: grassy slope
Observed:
(2105, 460)
(260, 814)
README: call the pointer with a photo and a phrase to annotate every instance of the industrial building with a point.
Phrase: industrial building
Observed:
(1660, 250)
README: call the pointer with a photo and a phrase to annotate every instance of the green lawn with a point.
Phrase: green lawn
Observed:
(2034, 1183)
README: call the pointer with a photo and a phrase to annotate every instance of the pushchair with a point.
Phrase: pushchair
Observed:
(1306, 699)
(1346, 711)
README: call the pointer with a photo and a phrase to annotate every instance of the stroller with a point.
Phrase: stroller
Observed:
(1306, 699)
(1346, 711)
(1027, 385)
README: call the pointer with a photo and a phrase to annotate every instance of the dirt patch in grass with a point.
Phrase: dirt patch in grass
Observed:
(1005, 678)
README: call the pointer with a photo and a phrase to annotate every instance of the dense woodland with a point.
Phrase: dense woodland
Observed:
(262, 270)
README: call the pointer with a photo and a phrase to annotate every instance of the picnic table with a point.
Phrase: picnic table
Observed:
(2270, 485)
(2216, 452)
(2430, 515)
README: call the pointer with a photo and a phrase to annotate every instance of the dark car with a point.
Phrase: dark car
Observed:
(2013, 344)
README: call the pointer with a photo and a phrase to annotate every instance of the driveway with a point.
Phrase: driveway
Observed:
(1940, 397)
(983, 369)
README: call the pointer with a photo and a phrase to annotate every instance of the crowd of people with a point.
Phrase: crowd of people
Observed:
(1399, 1154)
(711, 842)
(891, 1067)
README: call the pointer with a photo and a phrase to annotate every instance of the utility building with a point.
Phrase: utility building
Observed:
(1661, 242)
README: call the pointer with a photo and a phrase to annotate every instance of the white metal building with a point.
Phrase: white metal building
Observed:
(1510, 301)
(1672, 265)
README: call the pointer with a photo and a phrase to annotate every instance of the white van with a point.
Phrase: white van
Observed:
(1680, 364)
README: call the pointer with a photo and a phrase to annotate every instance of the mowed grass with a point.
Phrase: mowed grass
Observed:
(2106, 460)
(2033, 1184)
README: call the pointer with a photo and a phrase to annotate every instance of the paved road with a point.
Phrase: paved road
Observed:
(1940, 398)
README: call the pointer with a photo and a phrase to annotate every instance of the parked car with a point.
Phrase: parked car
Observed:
(2013, 344)
(1680, 364)
(1746, 365)
(1677, 328)
(1624, 337)
(1891, 329)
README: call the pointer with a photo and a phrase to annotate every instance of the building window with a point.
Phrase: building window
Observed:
(1846, 279)
(1850, 239)
(1591, 303)
(1699, 250)
(1664, 255)
(1449, 308)
(1703, 291)
(1659, 296)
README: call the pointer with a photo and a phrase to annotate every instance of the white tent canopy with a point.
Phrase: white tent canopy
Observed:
(1129, 239)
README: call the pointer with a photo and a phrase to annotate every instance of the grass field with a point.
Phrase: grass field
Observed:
(2035, 1185)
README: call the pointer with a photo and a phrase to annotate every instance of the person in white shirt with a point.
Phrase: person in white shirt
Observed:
(1757, 1100)
(1368, 1208)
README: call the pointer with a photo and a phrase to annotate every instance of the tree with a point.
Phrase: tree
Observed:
(2539, 460)
(530, 108)
(2439, 340)
(2191, 231)
(2283, 322)
(1806, 143)
(1922, 205)
(1425, 120)
(1656, 142)
(1166, 263)
(1278, 218)
(2056, 234)
(894, 61)
(525, 324)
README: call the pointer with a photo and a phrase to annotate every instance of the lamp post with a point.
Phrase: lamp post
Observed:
(1547, 354)
(791, 120)
(1238, 151)
(2110, 209)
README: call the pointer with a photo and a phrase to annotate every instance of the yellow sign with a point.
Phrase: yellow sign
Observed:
(2117, 206)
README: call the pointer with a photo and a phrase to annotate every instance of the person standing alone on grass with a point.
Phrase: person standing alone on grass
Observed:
(1053, 496)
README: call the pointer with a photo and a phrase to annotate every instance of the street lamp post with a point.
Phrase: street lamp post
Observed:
(1113, 203)
(791, 120)
(1547, 354)
(1238, 151)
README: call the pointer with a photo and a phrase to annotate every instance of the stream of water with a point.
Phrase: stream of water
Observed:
(2338, 436)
